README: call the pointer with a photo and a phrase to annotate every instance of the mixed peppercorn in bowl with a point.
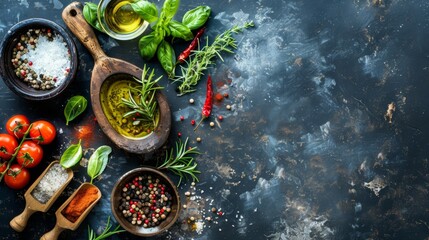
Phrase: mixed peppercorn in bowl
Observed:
(38, 59)
(145, 202)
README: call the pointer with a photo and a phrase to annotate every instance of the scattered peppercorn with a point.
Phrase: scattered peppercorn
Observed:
(182, 118)
(225, 95)
(218, 97)
(212, 124)
(192, 122)
(191, 101)
(214, 209)
(198, 139)
(179, 134)
(220, 117)
(228, 107)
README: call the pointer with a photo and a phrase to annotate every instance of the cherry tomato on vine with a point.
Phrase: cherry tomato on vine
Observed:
(17, 177)
(30, 154)
(43, 132)
(17, 125)
(8, 144)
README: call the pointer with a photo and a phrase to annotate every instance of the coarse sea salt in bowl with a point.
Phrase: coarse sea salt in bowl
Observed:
(38, 59)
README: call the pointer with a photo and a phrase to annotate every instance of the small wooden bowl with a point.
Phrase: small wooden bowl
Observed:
(32, 205)
(62, 222)
(7, 73)
(140, 230)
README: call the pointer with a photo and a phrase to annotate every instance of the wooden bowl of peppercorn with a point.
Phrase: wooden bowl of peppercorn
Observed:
(145, 202)
(38, 59)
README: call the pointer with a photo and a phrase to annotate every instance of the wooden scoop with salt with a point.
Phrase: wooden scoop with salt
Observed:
(32, 204)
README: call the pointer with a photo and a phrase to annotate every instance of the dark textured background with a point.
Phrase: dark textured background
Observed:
(309, 86)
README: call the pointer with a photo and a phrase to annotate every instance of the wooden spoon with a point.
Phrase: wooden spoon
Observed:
(106, 67)
(62, 222)
(32, 205)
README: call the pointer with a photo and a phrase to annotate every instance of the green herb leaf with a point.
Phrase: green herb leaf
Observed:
(90, 15)
(179, 30)
(166, 56)
(74, 107)
(148, 45)
(72, 155)
(98, 161)
(170, 8)
(146, 10)
(196, 17)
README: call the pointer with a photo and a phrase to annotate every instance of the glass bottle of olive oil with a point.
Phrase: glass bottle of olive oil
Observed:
(121, 18)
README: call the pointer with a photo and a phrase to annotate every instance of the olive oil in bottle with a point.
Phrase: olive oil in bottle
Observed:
(121, 18)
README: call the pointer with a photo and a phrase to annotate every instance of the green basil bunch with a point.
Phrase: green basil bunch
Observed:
(164, 26)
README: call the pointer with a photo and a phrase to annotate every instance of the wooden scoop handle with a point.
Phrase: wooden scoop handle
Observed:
(73, 17)
(19, 222)
(53, 234)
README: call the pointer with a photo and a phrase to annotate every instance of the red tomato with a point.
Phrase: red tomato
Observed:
(3, 166)
(17, 125)
(43, 132)
(8, 144)
(17, 177)
(30, 154)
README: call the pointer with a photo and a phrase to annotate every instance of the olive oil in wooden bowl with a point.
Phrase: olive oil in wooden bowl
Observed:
(118, 19)
(112, 92)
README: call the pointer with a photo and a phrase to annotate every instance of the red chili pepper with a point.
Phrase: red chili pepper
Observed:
(185, 54)
(208, 104)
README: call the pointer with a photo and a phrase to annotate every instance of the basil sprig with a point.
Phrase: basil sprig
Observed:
(166, 56)
(72, 155)
(164, 26)
(196, 17)
(146, 10)
(90, 14)
(98, 161)
(74, 107)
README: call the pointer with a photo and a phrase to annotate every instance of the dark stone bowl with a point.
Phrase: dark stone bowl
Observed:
(18, 86)
(141, 231)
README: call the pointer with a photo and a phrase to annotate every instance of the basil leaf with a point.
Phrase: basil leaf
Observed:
(98, 161)
(170, 8)
(146, 10)
(179, 30)
(148, 44)
(74, 107)
(196, 17)
(90, 15)
(72, 155)
(166, 56)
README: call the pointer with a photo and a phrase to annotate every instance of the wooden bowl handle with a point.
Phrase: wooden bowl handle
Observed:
(53, 234)
(19, 222)
(73, 17)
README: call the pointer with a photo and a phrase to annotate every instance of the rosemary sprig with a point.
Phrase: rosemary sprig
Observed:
(182, 164)
(106, 232)
(201, 59)
(145, 107)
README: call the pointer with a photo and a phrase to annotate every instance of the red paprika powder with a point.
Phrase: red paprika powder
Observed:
(80, 202)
